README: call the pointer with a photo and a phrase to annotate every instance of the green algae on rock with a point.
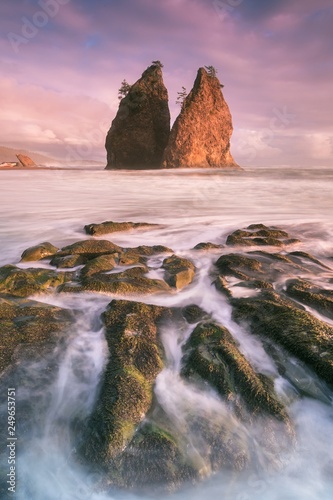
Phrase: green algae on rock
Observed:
(311, 295)
(38, 252)
(212, 353)
(153, 460)
(300, 333)
(136, 358)
(260, 235)
(179, 273)
(113, 227)
(27, 322)
(26, 282)
(90, 248)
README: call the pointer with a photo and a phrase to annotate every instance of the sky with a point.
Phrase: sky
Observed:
(63, 61)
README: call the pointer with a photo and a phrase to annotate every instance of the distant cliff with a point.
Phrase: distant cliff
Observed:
(200, 136)
(140, 131)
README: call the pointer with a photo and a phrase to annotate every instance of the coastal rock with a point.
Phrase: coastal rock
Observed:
(38, 252)
(149, 251)
(25, 323)
(136, 358)
(100, 264)
(193, 313)
(113, 227)
(129, 282)
(260, 235)
(179, 273)
(140, 131)
(68, 261)
(25, 282)
(311, 295)
(212, 353)
(26, 161)
(207, 246)
(303, 335)
(90, 248)
(153, 461)
(200, 136)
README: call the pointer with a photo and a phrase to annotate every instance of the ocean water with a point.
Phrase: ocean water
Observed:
(188, 208)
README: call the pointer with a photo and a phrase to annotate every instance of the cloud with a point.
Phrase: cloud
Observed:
(270, 55)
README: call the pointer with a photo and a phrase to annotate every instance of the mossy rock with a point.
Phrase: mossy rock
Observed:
(90, 248)
(130, 258)
(193, 313)
(25, 282)
(113, 227)
(207, 246)
(303, 335)
(136, 358)
(154, 462)
(129, 282)
(100, 264)
(212, 353)
(239, 266)
(311, 295)
(299, 257)
(179, 273)
(38, 252)
(27, 322)
(149, 251)
(259, 235)
(222, 286)
(68, 261)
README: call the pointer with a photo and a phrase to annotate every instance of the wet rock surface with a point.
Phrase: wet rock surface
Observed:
(260, 235)
(26, 282)
(179, 272)
(283, 298)
(136, 358)
(26, 323)
(38, 252)
(113, 227)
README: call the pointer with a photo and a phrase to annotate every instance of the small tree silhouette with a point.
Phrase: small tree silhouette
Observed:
(181, 96)
(158, 64)
(124, 89)
(211, 70)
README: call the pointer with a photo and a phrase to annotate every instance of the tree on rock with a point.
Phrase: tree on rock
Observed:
(211, 70)
(181, 96)
(158, 64)
(124, 89)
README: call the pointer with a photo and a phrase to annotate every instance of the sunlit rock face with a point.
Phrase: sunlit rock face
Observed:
(140, 131)
(200, 136)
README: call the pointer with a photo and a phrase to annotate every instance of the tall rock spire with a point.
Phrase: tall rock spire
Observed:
(200, 136)
(140, 131)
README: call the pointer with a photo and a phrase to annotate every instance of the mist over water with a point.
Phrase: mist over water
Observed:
(189, 208)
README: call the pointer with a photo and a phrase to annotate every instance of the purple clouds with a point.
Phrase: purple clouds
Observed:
(271, 55)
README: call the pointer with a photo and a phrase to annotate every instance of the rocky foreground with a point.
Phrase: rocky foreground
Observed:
(279, 294)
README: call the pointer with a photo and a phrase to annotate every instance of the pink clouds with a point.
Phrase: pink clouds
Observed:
(64, 82)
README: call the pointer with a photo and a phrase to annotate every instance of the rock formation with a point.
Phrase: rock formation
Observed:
(25, 161)
(140, 131)
(200, 136)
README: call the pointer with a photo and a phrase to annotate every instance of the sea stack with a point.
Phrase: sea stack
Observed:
(140, 131)
(200, 136)
(26, 161)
